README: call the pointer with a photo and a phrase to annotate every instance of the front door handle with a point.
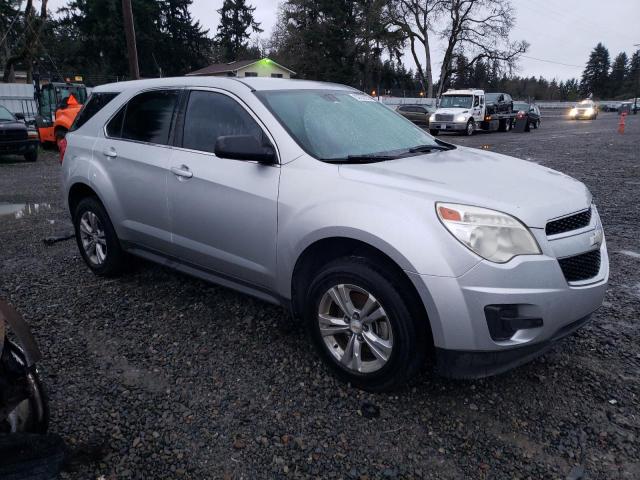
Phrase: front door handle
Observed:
(110, 152)
(182, 171)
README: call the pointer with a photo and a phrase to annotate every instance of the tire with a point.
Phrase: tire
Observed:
(403, 340)
(471, 128)
(31, 457)
(60, 134)
(31, 156)
(107, 257)
(31, 415)
(434, 132)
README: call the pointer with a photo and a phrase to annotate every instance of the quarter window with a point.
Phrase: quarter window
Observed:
(250, 74)
(147, 117)
(211, 115)
(96, 102)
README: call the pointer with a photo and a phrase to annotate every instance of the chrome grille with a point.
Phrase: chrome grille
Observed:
(580, 267)
(444, 117)
(566, 224)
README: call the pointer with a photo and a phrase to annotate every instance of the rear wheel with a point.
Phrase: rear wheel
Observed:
(97, 239)
(365, 325)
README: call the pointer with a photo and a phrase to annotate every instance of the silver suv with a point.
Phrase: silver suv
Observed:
(396, 249)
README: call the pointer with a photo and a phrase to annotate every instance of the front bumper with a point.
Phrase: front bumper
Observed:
(453, 126)
(18, 147)
(535, 284)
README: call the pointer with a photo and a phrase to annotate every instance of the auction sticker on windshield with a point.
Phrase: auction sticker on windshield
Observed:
(362, 98)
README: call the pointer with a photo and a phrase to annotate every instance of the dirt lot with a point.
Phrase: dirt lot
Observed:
(157, 375)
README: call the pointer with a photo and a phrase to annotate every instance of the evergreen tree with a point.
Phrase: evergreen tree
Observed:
(185, 41)
(618, 75)
(632, 83)
(236, 21)
(595, 78)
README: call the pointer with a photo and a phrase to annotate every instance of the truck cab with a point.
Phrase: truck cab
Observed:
(466, 111)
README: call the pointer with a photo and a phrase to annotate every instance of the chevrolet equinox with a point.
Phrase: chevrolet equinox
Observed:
(395, 249)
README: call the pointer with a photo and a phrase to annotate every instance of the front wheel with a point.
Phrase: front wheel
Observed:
(471, 127)
(31, 156)
(435, 132)
(97, 239)
(364, 324)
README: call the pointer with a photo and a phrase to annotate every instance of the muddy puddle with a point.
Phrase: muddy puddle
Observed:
(22, 210)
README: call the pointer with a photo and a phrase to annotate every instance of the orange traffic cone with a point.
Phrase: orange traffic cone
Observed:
(621, 123)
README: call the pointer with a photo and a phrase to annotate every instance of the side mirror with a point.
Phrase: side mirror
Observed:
(244, 147)
(19, 116)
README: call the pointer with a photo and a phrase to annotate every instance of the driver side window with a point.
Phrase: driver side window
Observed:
(210, 115)
(476, 101)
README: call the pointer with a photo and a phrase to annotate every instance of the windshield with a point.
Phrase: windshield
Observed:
(336, 124)
(456, 101)
(521, 106)
(5, 115)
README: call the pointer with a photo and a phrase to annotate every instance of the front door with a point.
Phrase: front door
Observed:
(223, 212)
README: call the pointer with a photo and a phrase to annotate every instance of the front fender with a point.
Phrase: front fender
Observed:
(401, 224)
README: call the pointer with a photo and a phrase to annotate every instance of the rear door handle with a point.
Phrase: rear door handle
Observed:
(110, 152)
(182, 171)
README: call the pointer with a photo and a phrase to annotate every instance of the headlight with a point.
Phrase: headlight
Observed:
(573, 112)
(589, 111)
(32, 133)
(432, 118)
(495, 236)
(460, 118)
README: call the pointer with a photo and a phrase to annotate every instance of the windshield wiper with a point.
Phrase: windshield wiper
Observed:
(361, 159)
(427, 148)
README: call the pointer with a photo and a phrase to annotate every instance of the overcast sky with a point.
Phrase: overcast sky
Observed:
(561, 33)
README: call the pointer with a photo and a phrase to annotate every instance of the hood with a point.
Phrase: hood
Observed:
(12, 126)
(530, 192)
(452, 110)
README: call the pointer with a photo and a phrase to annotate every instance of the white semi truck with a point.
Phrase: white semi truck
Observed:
(467, 111)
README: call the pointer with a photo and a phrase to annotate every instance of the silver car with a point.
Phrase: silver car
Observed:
(395, 249)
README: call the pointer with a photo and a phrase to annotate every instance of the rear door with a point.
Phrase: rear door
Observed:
(136, 154)
(223, 212)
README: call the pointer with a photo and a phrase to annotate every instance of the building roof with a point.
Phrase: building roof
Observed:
(233, 67)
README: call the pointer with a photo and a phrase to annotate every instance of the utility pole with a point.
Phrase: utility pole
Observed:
(130, 33)
(635, 94)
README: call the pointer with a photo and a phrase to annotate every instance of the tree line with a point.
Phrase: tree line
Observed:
(356, 42)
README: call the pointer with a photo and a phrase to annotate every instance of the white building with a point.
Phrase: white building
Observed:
(264, 67)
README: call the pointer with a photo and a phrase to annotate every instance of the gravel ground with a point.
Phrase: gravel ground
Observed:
(157, 375)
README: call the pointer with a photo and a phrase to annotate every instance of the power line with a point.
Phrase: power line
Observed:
(552, 61)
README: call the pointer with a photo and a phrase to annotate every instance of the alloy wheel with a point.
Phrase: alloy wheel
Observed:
(355, 328)
(93, 238)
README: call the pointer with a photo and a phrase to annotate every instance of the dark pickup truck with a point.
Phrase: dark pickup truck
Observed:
(16, 138)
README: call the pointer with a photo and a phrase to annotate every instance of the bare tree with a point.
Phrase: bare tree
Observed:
(478, 29)
(26, 50)
(415, 19)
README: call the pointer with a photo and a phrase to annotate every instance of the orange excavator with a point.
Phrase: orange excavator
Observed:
(58, 105)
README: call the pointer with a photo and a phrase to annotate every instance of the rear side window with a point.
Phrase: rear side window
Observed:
(96, 102)
(146, 118)
(211, 115)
